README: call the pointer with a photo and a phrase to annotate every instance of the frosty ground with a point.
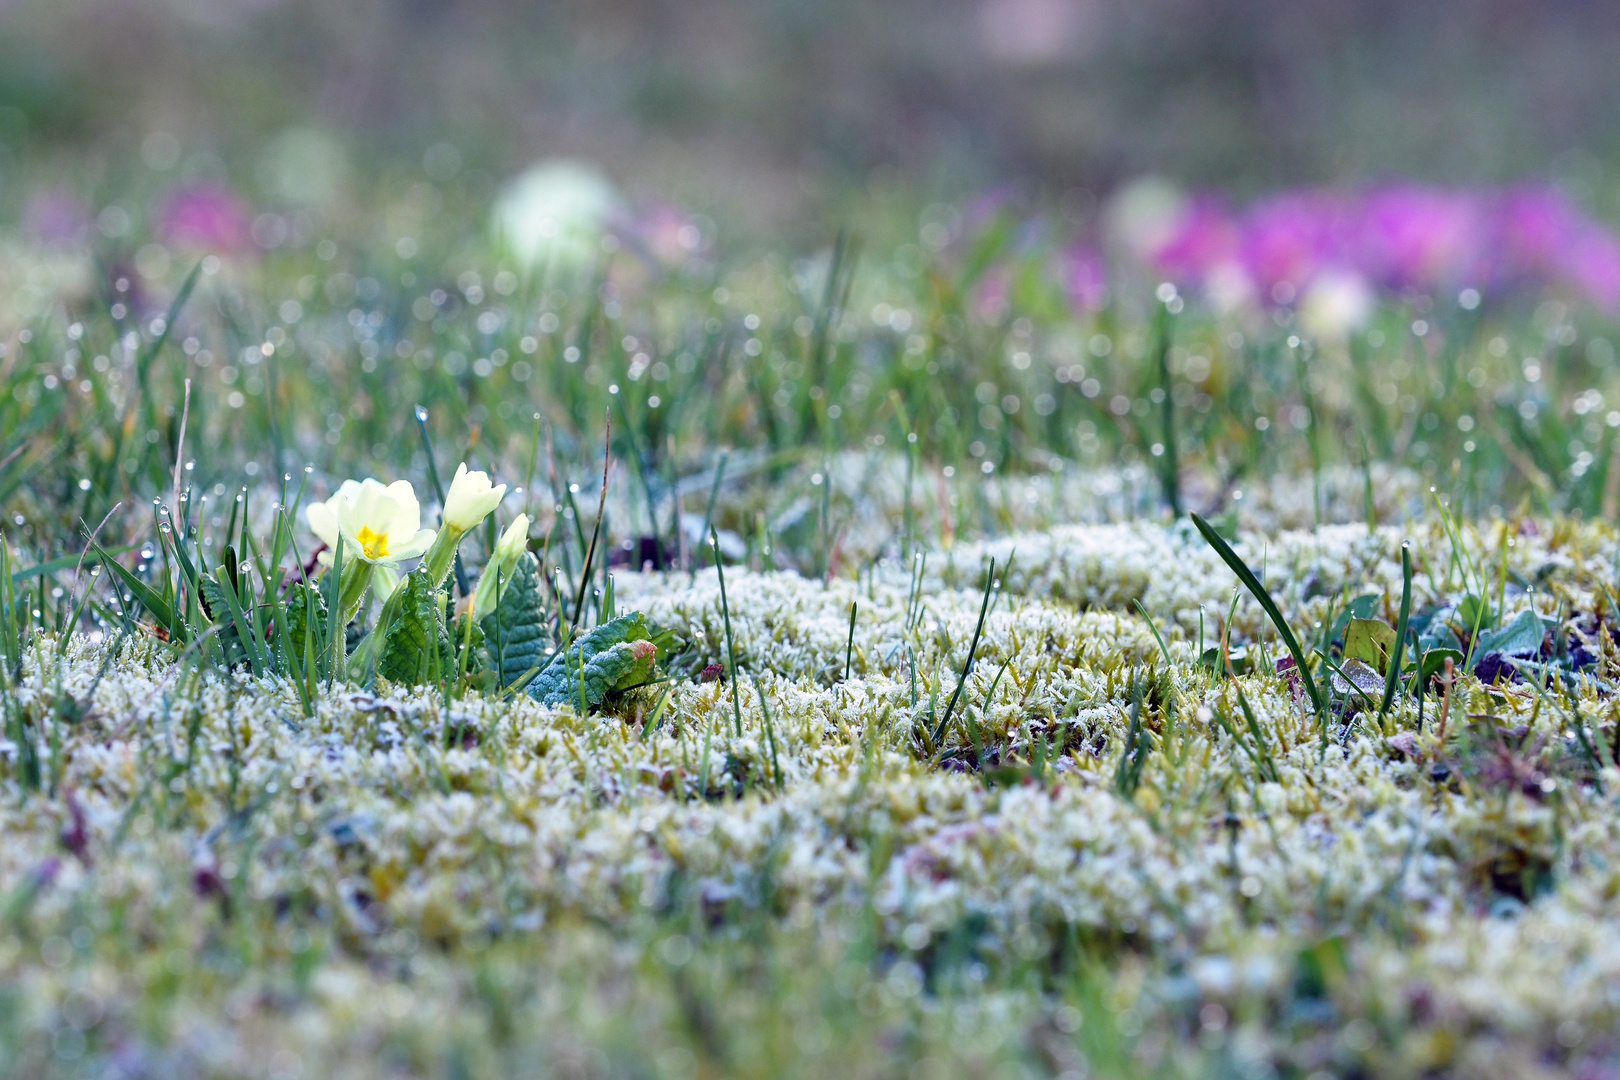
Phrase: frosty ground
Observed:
(407, 884)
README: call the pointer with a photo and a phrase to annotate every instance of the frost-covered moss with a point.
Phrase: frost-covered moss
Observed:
(213, 883)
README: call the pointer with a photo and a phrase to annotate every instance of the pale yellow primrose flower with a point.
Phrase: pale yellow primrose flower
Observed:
(470, 499)
(382, 525)
(502, 561)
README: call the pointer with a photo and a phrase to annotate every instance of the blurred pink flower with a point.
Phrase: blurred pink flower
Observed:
(1421, 237)
(1396, 237)
(1204, 239)
(1289, 238)
(1593, 266)
(1085, 277)
(1535, 226)
(665, 233)
(993, 293)
(205, 216)
(55, 216)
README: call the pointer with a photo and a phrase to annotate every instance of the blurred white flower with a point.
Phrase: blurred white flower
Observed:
(1229, 288)
(1143, 216)
(470, 499)
(556, 211)
(380, 524)
(1337, 302)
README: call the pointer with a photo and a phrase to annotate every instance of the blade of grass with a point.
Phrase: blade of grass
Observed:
(770, 728)
(1163, 648)
(1260, 741)
(973, 648)
(144, 594)
(708, 515)
(731, 648)
(1252, 583)
(1392, 676)
(596, 530)
(849, 647)
(438, 490)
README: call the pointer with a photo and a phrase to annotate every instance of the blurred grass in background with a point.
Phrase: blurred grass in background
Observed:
(799, 230)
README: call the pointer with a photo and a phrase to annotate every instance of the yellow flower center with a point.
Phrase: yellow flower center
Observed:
(374, 544)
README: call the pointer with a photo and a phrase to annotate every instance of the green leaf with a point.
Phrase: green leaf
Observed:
(1362, 607)
(1474, 612)
(1434, 660)
(514, 633)
(1370, 641)
(1438, 634)
(219, 608)
(615, 655)
(302, 602)
(417, 629)
(1520, 637)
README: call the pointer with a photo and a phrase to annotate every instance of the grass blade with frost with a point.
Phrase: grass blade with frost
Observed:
(1392, 676)
(1252, 583)
(849, 648)
(1163, 648)
(731, 648)
(973, 648)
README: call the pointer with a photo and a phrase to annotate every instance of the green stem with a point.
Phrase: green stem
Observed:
(441, 557)
(355, 579)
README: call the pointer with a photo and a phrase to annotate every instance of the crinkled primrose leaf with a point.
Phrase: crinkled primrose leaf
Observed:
(514, 633)
(418, 628)
(614, 656)
(306, 616)
(218, 608)
(1521, 637)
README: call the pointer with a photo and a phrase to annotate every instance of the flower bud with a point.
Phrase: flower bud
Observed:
(502, 562)
(470, 499)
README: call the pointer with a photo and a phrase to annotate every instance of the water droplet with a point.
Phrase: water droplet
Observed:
(163, 526)
(421, 414)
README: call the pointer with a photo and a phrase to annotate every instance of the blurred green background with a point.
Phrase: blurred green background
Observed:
(777, 113)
